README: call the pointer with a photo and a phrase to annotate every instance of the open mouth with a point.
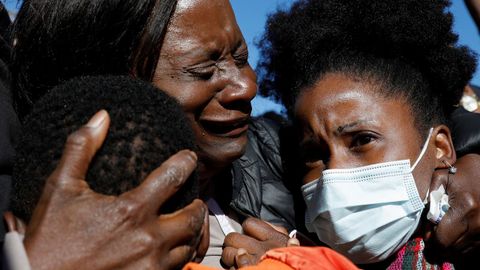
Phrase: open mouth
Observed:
(226, 128)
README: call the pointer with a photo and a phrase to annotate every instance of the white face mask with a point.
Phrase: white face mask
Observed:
(365, 213)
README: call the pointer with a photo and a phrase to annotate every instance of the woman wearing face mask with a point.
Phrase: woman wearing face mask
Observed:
(370, 88)
(192, 49)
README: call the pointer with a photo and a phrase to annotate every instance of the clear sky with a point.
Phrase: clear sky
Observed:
(251, 16)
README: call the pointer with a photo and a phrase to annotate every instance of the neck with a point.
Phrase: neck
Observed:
(218, 187)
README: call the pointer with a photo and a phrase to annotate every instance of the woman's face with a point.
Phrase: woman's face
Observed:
(203, 64)
(347, 123)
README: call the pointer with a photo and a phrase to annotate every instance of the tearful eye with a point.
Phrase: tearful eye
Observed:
(203, 73)
(241, 58)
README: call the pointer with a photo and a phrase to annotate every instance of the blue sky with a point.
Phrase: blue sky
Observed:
(251, 15)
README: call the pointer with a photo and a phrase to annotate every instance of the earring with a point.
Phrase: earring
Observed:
(451, 169)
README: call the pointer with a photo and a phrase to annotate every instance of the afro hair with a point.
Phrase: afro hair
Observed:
(405, 45)
(147, 127)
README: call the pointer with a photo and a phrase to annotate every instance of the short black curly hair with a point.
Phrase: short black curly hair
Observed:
(407, 46)
(147, 126)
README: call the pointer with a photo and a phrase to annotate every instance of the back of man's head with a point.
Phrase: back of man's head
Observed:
(147, 126)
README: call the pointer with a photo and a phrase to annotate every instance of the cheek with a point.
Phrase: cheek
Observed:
(191, 96)
(313, 174)
(423, 173)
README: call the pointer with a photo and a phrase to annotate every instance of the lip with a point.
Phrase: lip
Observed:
(226, 127)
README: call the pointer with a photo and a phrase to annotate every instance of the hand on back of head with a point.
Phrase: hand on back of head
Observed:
(132, 225)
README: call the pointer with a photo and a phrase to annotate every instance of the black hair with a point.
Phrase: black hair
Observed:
(147, 127)
(405, 46)
(55, 40)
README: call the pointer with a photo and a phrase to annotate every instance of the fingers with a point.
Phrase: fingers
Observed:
(179, 256)
(293, 242)
(80, 148)
(164, 181)
(184, 231)
(261, 230)
(184, 227)
(204, 241)
(471, 239)
(228, 256)
(237, 257)
(439, 177)
(455, 222)
(243, 259)
(237, 240)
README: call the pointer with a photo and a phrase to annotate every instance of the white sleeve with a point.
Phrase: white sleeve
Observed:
(15, 254)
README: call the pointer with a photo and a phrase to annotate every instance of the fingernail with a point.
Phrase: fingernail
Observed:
(293, 242)
(193, 155)
(242, 259)
(241, 251)
(97, 119)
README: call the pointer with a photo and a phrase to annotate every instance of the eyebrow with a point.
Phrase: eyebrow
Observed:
(345, 128)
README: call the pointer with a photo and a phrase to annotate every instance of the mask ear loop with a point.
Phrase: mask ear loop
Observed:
(424, 149)
(422, 153)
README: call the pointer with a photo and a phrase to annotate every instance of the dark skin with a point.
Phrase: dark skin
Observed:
(258, 237)
(341, 129)
(204, 65)
(217, 151)
(131, 233)
(337, 135)
(210, 76)
(457, 236)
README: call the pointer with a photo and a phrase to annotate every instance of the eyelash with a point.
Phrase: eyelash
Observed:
(241, 59)
(357, 144)
(204, 73)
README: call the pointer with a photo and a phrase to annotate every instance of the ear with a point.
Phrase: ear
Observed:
(445, 152)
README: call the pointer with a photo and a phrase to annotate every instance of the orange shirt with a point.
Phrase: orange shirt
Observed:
(295, 258)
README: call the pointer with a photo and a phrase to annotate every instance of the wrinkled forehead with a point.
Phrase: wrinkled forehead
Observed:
(199, 27)
(187, 4)
(204, 12)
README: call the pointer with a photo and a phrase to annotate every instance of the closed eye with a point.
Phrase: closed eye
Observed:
(241, 58)
(202, 72)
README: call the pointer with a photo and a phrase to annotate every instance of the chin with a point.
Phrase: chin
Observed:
(219, 155)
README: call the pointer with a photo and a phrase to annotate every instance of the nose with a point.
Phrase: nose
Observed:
(338, 158)
(313, 174)
(341, 161)
(240, 89)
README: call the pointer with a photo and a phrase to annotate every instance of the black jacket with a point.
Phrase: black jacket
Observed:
(259, 187)
(465, 127)
(9, 124)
